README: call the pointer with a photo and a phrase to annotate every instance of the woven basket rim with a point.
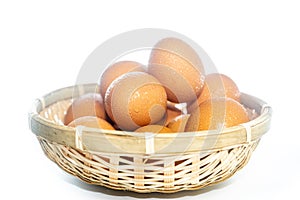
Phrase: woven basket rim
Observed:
(74, 137)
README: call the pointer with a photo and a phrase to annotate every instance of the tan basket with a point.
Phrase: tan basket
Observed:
(144, 162)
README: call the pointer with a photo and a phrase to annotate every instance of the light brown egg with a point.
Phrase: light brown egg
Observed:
(115, 70)
(178, 67)
(178, 124)
(90, 104)
(214, 114)
(154, 129)
(172, 114)
(135, 99)
(174, 110)
(91, 121)
(217, 86)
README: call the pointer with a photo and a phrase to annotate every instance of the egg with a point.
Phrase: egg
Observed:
(215, 114)
(174, 110)
(90, 104)
(178, 124)
(217, 85)
(154, 129)
(135, 99)
(91, 121)
(171, 114)
(178, 67)
(115, 70)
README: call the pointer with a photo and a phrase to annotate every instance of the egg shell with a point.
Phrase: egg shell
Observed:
(173, 110)
(216, 114)
(178, 124)
(171, 114)
(178, 67)
(135, 99)
(90, 104)
(217, 86)
(115, 70)
(91, 121)
(154, 129)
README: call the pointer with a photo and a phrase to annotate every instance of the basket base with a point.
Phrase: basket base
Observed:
(144, 174)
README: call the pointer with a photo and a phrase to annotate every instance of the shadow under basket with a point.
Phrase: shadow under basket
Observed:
(144, 162)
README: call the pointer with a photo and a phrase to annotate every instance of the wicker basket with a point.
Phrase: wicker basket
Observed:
(144, 162)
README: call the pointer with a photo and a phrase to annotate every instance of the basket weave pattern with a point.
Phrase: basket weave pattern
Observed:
(157, 174)
(144, 173)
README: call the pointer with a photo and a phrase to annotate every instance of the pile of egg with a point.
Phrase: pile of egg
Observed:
(170, 94)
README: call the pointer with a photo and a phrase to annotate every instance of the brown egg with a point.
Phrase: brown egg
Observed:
(178, 67)
(90, 104)
(174, 110)
(178, 124)
(115, 70)
(153, 129)
(135, 99)
(217, 86)
(171, 114)
(91, 121)
(214, 114)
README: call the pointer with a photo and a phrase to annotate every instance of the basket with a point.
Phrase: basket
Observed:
(144, 162)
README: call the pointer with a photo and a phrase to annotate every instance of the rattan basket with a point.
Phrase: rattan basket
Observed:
(144, 162)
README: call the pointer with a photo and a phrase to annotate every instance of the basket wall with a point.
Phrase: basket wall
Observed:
(145, 173)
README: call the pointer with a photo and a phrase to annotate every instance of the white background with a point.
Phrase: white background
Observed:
(43, 45)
